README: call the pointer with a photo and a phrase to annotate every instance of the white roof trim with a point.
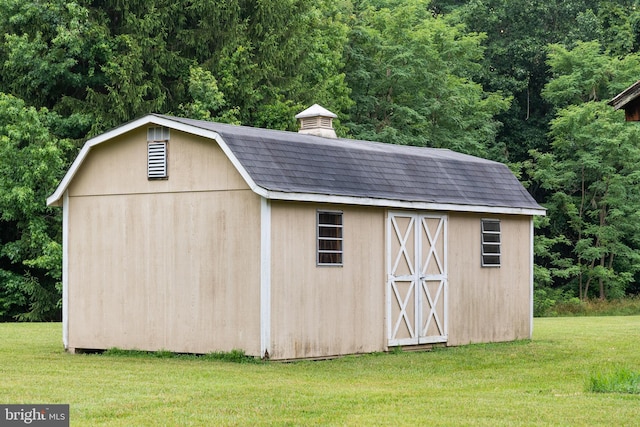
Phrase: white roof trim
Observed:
(390, 203)
(56, 198)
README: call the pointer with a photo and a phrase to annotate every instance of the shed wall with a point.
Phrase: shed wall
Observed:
(489, 304)
(171, 264)
(119, 166)
(320, 311)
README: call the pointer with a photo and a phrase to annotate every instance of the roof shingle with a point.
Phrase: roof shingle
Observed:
(296, 163)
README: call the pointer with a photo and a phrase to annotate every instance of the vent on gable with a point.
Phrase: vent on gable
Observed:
(157, 144)
(318, 121)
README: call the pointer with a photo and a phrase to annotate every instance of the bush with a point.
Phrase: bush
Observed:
(547, 300)
(557, 303)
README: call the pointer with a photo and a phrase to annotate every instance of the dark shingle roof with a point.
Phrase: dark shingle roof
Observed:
(296, 163)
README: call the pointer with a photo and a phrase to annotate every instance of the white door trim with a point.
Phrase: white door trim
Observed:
(430, 307)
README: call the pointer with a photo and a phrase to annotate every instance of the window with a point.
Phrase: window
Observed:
(490, 243)
(157, 142)
(329, 238)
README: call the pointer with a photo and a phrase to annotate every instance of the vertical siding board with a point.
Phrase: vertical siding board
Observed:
(489, 304)
(320, 311)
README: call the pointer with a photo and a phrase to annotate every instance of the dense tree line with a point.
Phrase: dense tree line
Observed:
(520, 81)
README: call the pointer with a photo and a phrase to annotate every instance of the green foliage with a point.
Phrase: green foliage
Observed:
(517, 33)
(585, 73)
(594, 201)
(412, 79)
(615, 380)
(124, 59)
(551, 302)
(550, 265)
(13, 297)
(589, 176)
(207, 100)
(269, 58)
(515, 62)
(547, 299)
(49, 50)
(30, 252)
(514, 80)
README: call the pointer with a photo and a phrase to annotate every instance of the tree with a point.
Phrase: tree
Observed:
(587, 73)
(207, 100)
(591, 176)
(271, 59)
(115, 61)
(595, 203)
(75, 69)
(30, 253)
(518, 33)
(412, 79)
(50, 53)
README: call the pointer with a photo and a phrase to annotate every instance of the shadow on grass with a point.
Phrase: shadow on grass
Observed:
(234, 356)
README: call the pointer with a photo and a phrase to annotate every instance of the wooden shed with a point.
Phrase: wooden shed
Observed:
(194, 236)
(629, 101)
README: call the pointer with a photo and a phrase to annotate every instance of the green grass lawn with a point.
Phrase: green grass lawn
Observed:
(540, 382)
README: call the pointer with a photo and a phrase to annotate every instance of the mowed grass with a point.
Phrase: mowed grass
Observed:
(540, 382)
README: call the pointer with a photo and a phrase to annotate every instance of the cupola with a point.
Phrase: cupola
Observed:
(317, 120)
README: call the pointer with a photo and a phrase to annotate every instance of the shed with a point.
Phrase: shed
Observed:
(193, 236)
(629, 101)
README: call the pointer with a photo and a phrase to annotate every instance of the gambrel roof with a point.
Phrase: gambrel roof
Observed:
(283, 165)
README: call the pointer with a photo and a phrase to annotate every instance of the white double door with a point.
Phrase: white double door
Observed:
(416, 278)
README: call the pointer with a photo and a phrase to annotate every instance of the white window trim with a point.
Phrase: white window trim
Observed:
(484, 243)
(318, 238)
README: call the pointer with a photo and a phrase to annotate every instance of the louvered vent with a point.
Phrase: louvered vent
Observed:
(308, 123)
(157, 160)
(157, 142)
(325, 122)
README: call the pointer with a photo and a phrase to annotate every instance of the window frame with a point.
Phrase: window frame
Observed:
(490, 243)
(322, 253)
